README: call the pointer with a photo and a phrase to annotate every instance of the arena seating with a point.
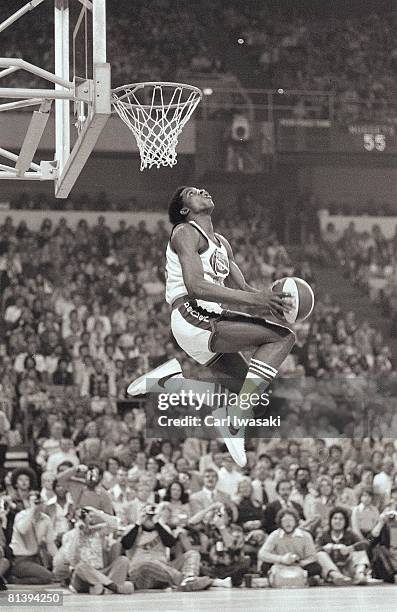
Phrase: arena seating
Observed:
(293, 53)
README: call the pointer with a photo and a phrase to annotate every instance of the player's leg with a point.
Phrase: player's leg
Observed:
(271, 342)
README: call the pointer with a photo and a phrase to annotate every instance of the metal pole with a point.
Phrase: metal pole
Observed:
(99, 32)
(16, 62)
(8, 71)
(13, 157)
(20, 104)
(28, 176)
(51, 94)
(25, 9)
(62, 107)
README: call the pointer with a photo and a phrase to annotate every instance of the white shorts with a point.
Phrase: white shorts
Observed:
(194, 328)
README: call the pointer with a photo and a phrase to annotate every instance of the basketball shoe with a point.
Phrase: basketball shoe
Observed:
(144, 383)
(233, 438)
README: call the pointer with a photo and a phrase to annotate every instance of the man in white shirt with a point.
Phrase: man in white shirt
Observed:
(67, 452)
(31, 351)
(209, 494)
(383, 481)
(264, 486)
(32, 540)
(229, 477)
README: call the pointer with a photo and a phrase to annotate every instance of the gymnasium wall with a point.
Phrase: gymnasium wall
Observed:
(351, 185)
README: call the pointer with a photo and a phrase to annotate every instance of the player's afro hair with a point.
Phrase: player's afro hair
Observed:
(174, 207)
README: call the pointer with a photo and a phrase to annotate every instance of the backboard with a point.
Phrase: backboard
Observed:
(80, 83)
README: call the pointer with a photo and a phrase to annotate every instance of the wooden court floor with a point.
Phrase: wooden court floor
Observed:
(379, 598)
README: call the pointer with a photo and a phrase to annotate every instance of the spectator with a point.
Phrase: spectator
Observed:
(96, 568)
(365, 515)
(344, 496)
(344, 547)
(178, 501)
(209, 494)
(67, 452)
(283, 489)
(229, 477)
(32, 544)
(224, 559)
(146, 544)
(382, 482)
(383, 542)
(60, 509)
(289, 545)
(84, 484)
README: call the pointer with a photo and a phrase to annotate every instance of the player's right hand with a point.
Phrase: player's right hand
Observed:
(275, 303)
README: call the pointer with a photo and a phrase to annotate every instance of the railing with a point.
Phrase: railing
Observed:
(271, 105)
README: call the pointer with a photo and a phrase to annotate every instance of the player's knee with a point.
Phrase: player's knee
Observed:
(289, 339)
(292, 338)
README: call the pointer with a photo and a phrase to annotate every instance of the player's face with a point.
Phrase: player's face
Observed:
(197, 200)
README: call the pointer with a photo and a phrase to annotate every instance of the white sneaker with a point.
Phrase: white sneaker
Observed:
(235, 442)
(222, 582)
(144, 383)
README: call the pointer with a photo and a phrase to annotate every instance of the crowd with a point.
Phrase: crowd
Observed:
(368, 258)
(185, 518)
(354, 56)
(103, 508)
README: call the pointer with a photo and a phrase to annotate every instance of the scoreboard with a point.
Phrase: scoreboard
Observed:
(323, 136)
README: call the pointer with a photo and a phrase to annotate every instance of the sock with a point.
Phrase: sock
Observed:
(259, 377)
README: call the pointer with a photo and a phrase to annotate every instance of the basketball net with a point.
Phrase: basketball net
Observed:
(157, 119)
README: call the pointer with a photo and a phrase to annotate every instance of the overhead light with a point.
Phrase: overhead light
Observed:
(208, 91)
(240, 41)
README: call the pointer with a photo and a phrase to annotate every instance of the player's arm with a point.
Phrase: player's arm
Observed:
(186, 243)
(235, 273)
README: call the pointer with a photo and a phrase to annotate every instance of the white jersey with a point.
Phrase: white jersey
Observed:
(215, 261)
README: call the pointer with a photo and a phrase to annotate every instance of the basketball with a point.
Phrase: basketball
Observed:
(302, 300)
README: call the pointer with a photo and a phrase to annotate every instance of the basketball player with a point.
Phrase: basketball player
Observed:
(201, 277)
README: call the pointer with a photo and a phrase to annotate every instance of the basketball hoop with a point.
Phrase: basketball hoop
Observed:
(156, 114)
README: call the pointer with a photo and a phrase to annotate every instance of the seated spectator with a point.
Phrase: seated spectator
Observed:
(300, 492)
(178, 502)
(146, 545)
(97, 568)
(209, 494)
(263, 485)
(47, 480)
(84, 484)
(324, 501)
(208, 460)
(67, 452)
(366, 480)
(32, 544)
(344, 496)
(365, 516)
(345, 548)
(223, 552)
(383, 480)
(144, 496)
(289, 545)
(229, 477)
(283, 489)
(4, 562)
(383, 542)
(110, 474)
(51, 444)
(62, 375)
(60, 509)
(250, 512)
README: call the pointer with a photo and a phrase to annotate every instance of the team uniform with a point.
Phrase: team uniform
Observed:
(194, 322)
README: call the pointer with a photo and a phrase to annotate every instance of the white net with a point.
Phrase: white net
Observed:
(156, 114)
